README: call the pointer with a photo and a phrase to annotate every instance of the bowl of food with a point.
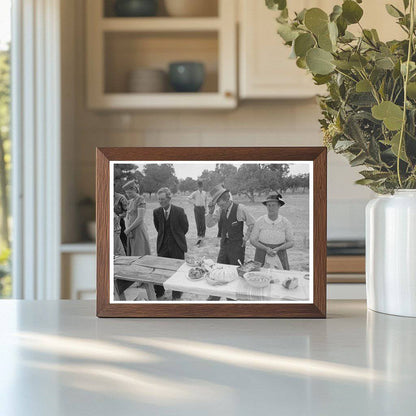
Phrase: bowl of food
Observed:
(197, 273)
(193, 261)
(249, 266)
(257, 279)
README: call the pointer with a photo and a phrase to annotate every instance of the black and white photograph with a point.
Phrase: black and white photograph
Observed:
(211, 232)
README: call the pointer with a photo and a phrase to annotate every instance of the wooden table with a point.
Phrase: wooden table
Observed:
(149, 270)
(239, 289)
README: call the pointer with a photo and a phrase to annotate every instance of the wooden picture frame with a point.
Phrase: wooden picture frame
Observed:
(315, 308)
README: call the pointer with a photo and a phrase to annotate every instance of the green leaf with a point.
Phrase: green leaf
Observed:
(394, 143)
(351, 11)
(276, 4)
(286, 32)
(321, 79)
(358, 160)
(343, 65)
(375, 35)
(364, 181)
(363, 86)
(300, 17)
(374, 150)
(336, 12)
(406, 4)
(342, 25)
(385, 63)
(390, 113)
(325, 43)
(316, 20)
(412, 67)
(358, 61)
(319, 61)
(301, 63)
(393, 11)
(411, 90)
(374, 175)
(343, 145)
(303, 43)
(347, 37)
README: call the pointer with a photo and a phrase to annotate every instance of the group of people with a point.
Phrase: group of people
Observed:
(271, 234)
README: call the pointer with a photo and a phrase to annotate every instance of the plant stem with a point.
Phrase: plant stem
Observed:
(406, 79)
(345, 75)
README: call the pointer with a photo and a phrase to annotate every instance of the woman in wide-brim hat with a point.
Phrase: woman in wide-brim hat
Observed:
(136, 231)
(272, 234)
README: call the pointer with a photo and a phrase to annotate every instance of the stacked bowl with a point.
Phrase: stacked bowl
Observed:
(147, 80)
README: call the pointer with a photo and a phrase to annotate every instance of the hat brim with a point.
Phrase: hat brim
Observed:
(217, 197)
(274, 200)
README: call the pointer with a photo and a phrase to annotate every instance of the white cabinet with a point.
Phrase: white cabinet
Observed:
(117, 45)
(78, 264)
(265, 70)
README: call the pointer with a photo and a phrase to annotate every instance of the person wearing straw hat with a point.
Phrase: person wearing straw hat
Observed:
(272, 234)
(231, 218)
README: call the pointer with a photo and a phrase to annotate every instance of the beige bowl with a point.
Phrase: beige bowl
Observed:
(146, 80)
(257, 279)
(191, 8)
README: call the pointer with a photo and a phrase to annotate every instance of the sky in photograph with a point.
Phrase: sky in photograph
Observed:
(5, 21)
(194, 170)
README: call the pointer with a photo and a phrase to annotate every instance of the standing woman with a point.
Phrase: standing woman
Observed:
(136, 231)
(272, 234)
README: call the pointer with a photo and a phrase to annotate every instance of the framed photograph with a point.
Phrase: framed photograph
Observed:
(211, 232)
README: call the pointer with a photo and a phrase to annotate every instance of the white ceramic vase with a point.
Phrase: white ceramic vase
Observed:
(391, 253)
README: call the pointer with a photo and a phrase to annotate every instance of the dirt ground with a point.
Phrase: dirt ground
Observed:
(296, 211)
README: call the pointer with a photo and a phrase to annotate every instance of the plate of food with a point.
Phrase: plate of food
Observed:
(197, 273)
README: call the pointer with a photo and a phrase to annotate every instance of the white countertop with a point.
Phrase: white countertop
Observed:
(57, 358)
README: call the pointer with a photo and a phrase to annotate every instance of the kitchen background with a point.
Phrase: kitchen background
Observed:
(273, 106)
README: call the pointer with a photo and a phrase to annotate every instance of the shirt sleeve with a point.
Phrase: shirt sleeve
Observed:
(212, 219)
(192, 196)
(244, 215)
(288, 230)
(256, 230)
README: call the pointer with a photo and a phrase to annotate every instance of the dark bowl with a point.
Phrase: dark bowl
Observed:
(186, 76)
(135, 8)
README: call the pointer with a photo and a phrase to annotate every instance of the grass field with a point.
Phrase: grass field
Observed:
(296, 211)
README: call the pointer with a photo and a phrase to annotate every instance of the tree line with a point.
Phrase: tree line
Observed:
(251, 179)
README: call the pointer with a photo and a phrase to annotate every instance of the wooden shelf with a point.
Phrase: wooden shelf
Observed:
(346, 264)
(163, 101)
(159, 24)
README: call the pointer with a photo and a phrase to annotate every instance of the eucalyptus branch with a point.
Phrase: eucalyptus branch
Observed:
(406, 79)
(345, 75)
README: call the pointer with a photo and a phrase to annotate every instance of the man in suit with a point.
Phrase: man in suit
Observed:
(171, 225)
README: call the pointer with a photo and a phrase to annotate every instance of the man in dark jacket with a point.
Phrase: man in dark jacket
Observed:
(171, 224)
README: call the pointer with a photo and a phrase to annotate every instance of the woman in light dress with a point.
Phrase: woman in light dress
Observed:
(136, 231)
(272, 235)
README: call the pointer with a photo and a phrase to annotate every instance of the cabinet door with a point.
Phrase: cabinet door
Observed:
(265, 68)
